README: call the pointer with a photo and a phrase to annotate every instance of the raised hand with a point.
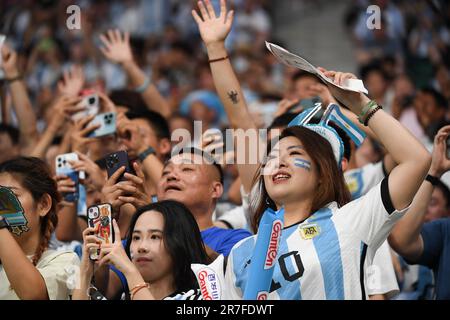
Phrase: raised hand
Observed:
(130, 135)
(105, 102)
(79, 139)
(90, 243)
(65, 185)
(116, 46)
(94, 172)
(72, 82)
(323, 92)
(9, 61)
(440, 164)
(131, 191)
(63, 108)
(355, 101)
(114, 254)
(213, 29)
(139, 197)
(284, 105)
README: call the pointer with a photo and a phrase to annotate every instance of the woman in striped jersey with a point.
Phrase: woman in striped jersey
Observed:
(163, 242)
(326, 239)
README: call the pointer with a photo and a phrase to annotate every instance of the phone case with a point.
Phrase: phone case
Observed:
(12, 211)
(100, 218)
(107, 122)
(63, 167)
(91, 104)
(116, 160)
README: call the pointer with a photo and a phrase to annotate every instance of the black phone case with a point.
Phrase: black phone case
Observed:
(116, 160)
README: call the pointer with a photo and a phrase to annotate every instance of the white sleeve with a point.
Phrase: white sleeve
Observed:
(235, 218)
(60, 273)
(370, 217)
(231, 292)
(380, 274)
(241, 217)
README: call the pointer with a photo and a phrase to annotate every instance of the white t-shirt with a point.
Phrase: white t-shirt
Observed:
(329, 264)
(59, 271)
(380, 276)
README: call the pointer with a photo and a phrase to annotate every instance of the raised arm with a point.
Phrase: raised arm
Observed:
(62, 109)
(21, 101)
(22, 274)
(405, 237)
(214, 30)
(118, 50)
(412, 158)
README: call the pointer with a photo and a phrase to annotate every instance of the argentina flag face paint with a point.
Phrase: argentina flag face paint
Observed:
(301, 163)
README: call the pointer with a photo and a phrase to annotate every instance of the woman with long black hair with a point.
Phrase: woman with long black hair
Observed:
(162, 243)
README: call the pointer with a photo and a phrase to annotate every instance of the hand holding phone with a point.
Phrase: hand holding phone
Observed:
(107, 125)
(63, 167)
(90, 104)
(115, 161)
(100, 219)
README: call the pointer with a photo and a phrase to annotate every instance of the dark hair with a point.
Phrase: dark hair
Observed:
(302, 74)
(128, 98)
(372, 67)
(156, 121)
(35, 176)
(12, 132)
(345, 139)
(332, 188)
(282, 120)
(182, 239)
(206, 155)
(439, 99)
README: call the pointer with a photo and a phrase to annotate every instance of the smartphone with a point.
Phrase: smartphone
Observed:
(100, 218)
(63, 167)
(107, 122)
(91, 104)
(2, 41)
(115, 161)
(11, 210)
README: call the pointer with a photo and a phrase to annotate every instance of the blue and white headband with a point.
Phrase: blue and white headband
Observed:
(332, 113)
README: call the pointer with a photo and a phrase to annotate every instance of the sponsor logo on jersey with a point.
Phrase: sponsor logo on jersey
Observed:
(309, 231)
(274, 241)
(209, 284)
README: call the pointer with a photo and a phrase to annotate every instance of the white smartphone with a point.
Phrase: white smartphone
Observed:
(63, 167)
(91, 106)
(107, 122)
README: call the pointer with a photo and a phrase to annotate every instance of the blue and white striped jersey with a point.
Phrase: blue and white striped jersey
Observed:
(324, 256)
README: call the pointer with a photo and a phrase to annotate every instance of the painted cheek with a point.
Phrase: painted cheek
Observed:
(301, 163)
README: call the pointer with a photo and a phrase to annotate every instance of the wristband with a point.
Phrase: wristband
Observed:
(137, 288)
(377, 108)
(366, 110)
(146, 153)
(144, 86)
(433, 180)
(16, 78)
(219, 59)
